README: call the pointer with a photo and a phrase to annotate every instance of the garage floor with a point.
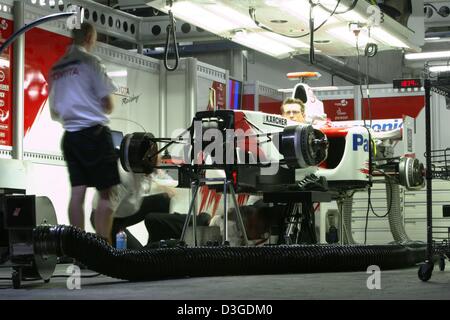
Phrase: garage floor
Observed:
(397, 284)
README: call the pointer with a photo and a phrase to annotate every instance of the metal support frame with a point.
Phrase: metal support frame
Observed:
(18, 82)
(256, 96)
(185, 31)
(299, 201)
(429, 177)
(106, 20)
(358, 103)
(293, 220)
(162, 100)
(227, 188)
(140, 48)
(301, 215)
(191, 89)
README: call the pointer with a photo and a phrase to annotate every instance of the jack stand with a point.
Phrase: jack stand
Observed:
(301, 219)
(227, 187)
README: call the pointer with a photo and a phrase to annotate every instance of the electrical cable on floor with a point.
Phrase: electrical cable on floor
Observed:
(86, 276)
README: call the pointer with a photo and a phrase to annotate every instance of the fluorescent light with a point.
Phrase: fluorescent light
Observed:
(440, 68)
(348, 36)
(330, 88)
(432, 38)
(286, 40)
(352, 16)
(118, 74)
(378, 34)
(427, 55)
(264, 44)
(199, 16)
(240, 20)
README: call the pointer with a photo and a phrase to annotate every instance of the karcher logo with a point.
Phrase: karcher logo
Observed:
(275, 121)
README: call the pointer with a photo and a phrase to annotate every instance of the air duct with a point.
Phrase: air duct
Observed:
(180, 261)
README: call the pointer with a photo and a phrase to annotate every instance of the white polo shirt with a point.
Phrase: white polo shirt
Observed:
(78, 82)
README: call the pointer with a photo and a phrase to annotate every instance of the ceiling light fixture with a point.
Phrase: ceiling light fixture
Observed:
(427, 55)
(440, 68)
(118, 74)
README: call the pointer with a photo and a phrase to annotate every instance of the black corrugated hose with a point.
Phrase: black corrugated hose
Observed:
(140, 265)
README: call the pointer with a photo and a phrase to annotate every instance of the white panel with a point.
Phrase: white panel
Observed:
(416, 209)
(176, 103)
(139, 109)
(51, 181)
(211, 72)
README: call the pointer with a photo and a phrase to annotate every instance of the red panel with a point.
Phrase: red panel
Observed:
(394, 107)
(6, 29)
(248, 102)
(334, 132)
(269, 105)
(42, 50)
(221, 94)
(340, 110)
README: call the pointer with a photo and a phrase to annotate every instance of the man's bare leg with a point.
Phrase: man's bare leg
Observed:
(76, 206)
(103, 215)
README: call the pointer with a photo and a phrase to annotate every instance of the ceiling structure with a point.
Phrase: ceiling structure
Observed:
(258, 24)
(281, 28)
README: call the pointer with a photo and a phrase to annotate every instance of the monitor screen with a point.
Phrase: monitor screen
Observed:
(117, 137)
(235, 93)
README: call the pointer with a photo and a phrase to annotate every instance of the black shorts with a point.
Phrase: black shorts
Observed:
(91, 157)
